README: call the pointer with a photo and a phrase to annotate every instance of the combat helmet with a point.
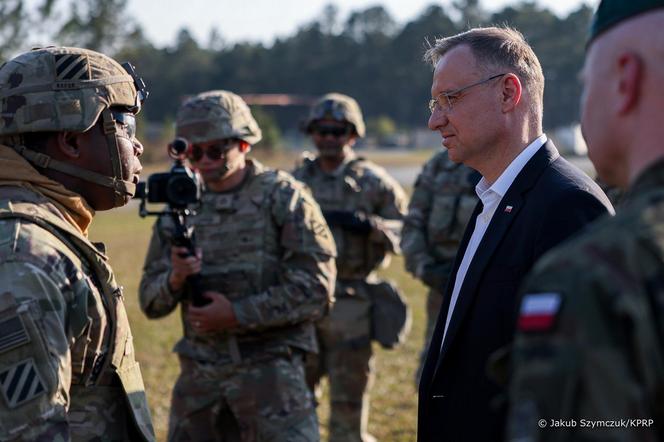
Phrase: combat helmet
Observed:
(216, 115)
(68, 89)
(338, 107)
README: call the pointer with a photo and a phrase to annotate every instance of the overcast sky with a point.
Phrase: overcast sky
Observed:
(264, 20)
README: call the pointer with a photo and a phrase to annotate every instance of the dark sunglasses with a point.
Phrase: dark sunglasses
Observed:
(213, 151)
(335, 131)
(126, 119)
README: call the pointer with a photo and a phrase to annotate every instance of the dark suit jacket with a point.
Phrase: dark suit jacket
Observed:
(551, 200)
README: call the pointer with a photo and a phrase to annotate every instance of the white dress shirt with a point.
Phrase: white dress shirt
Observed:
(490, 197)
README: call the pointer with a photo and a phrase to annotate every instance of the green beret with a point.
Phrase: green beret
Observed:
(612, 12)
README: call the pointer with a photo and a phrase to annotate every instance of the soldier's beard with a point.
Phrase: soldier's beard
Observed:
(331, 150)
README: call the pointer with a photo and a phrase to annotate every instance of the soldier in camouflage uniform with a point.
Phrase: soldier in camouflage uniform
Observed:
(267, 268)
(590, 343)
(67, 149)
(440, 207)
(364, 208)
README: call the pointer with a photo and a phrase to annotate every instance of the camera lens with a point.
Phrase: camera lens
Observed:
(181, 190)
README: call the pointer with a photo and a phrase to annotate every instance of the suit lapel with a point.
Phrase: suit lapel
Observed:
(433, 352)
(507, 211)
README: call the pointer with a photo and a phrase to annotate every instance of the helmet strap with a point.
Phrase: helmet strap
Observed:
(110, 131)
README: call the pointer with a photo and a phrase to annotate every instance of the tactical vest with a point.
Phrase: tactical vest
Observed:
(106, 352)
(357, 257)
(452, 204)
(241, 257)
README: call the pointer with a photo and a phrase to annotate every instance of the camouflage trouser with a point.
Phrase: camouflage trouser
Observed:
(261, 401)
(346, 358)
(98, 413)
(434, 302)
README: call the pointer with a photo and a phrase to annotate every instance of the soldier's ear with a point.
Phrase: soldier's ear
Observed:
(68, 144)
(244, 146)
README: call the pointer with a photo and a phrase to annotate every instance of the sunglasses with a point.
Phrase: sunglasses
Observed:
(335, 131)
(213, 151)
(127, 120)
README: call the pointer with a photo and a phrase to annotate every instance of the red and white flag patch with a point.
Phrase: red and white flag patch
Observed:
(538, 311)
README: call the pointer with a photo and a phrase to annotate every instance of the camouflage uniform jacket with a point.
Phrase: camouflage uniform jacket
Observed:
(359, 186)
(441, 205)
(590, 341)
(267, 248)
(67, 367)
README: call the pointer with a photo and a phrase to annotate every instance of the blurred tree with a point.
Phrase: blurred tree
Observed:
(472, 13)
(216, 41)
(370, 23)
(381, 127)
(15, 22)
(410, 78)
(371, 59)
(329, 19)
(271, 133)
(101, 25)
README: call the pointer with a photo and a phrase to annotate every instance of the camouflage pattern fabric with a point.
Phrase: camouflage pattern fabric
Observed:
(358, 186)
(441, 205)
(67, 367)
(260, 400)
(55, 89)
(216, 115)
(339, 107)
(266, 247)
(588, 359)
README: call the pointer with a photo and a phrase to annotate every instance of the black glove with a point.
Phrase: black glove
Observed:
(436, 275)
(354, 222)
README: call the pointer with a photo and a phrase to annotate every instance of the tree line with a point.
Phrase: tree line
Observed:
(368, 55)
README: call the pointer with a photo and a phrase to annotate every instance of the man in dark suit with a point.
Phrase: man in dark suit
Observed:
(487, 105)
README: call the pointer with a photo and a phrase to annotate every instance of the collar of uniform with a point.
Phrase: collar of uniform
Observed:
(650, 179)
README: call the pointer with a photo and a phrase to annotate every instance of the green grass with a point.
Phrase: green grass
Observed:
(394, 398)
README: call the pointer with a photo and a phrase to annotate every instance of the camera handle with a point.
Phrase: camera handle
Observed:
(182, 238)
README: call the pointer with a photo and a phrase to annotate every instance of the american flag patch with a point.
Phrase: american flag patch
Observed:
(538, 311)
(71, 67)
(12, 334)
(21, 383)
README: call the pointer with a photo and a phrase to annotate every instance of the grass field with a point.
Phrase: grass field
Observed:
(394, 398)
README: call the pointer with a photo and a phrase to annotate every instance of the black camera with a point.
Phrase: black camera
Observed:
(178, 188)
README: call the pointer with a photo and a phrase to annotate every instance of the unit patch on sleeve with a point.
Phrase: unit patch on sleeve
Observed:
(21, 383)
(12, 333)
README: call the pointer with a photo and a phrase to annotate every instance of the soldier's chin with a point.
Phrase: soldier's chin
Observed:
(330, 152)
(214, 175)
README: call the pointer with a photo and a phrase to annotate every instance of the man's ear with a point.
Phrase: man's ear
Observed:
(68, 144)
(630, 74)
(510, 92)
(244, 147)
(352, 139)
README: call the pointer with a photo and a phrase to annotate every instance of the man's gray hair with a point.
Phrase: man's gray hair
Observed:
(498, 50)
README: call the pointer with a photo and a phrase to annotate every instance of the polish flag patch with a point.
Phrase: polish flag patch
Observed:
(538, 311)
(508, 209)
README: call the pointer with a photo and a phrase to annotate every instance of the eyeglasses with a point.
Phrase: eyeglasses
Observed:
(452, 97)
(212, 151)
(128, 121)
(335, 131)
